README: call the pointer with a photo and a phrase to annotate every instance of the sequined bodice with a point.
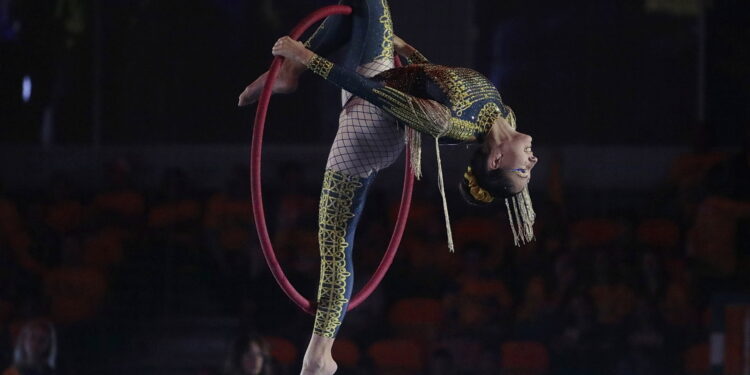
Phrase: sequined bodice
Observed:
(472, 99)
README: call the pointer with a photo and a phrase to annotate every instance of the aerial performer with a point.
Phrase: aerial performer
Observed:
(381, 104)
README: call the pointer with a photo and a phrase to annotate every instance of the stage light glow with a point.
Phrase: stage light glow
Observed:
(26, 89)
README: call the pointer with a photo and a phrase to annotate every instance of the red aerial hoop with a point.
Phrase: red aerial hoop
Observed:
(255, 184)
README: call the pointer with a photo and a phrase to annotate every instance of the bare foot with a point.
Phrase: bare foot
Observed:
(318, 359)
(323, 367)
(285, 83)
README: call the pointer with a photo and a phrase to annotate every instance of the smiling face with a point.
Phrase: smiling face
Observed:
(516, 158)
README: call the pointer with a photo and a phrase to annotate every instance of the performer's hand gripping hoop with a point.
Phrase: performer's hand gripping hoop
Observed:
(255, 184)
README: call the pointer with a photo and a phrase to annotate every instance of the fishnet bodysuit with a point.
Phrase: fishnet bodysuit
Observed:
(368, 139)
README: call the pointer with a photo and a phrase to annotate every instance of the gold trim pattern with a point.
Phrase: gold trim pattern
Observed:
(405, 108)
(335, 211)
(320, 66)
(416, 57)
(315, 34)
(487, 116)
(387, 43)
(511, 117)
(409, 109)
(464, 87)
(464, 129)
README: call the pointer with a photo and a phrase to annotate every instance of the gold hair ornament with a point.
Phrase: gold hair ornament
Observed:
(477, 191)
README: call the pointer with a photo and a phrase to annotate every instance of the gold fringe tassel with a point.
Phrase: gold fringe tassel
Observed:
(441, 185)
(414, 140)
(521, 216)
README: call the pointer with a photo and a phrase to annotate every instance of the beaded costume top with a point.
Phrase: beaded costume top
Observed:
(450, 103)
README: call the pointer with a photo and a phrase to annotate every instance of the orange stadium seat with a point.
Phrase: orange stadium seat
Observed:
(221, 210)
(595, 232)
(282, 350)
(477, 229)
(104, 248)
(524, 357)
(397, 354)
(346, 352)
(417, 318)
(10, 220)
(696, 359)
(65, 216)
(658, 233)
(735, 341)
(174, 213)
(126, 202)
(419, 311)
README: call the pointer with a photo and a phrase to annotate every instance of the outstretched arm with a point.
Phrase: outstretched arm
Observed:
(424, 115)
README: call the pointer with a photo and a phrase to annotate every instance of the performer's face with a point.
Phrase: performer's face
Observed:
(516, 158)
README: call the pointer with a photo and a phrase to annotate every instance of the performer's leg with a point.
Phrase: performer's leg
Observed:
(341, 202)
(372, 33)
(367, 141)
(331, 34)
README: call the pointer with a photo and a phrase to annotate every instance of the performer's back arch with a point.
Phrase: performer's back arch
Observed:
(256, 194)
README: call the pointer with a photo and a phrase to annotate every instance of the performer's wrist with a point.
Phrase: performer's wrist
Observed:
(306, 56)
(319, 65)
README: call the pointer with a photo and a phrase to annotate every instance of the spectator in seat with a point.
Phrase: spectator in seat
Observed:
(35, 352)
(250, 354)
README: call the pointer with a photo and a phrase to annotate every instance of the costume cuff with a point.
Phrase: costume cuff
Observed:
(320, 66)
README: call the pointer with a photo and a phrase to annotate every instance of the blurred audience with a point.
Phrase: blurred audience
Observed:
(607, 293)
(250, 354)
(688, 172)
(718, 240)
(35, 351)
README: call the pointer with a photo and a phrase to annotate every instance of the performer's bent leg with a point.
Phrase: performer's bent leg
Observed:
(372, 33)
(331, 34)
(368, 30)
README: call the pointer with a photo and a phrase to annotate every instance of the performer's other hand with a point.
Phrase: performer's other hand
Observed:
(292, 49)
(402, 48)
(398, 43)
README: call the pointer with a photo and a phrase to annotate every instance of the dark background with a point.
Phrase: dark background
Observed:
(169, 71)
(125, 214)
